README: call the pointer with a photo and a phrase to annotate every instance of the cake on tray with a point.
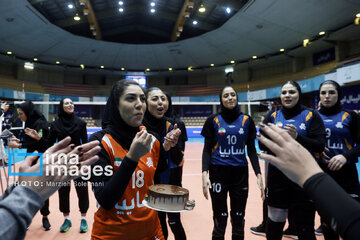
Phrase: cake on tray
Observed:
(169, 197)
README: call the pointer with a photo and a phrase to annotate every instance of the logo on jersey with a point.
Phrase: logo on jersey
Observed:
(149, 162)
(279, 124)
(222, 131)
(339, 125)
(241, 131)
(117, 161)
(231, 126)
(328, 120)
(302, 126)
(291, 120)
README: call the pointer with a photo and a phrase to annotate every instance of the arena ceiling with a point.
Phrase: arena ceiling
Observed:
(135, 38)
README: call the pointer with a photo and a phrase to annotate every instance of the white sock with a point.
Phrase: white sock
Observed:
(83, 218)
(68, 218)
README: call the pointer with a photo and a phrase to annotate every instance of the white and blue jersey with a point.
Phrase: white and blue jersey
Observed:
(301, 121)
(338, 134)
(230, 141)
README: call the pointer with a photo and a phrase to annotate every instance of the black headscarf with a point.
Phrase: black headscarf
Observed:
(337, 107)
(112, 122)
(68, 122)
(152, 123)
(229, 115)
(170, 112)
(298, 108)
(32, 114)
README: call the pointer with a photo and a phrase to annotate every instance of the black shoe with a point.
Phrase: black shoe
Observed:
(290, 233)
(259, 230)
(46, 224)
(319, 231)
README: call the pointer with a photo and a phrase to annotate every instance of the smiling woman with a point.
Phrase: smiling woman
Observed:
(306, 127)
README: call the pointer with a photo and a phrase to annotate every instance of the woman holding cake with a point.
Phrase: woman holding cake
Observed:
(130, 156)
(225, 165)
(155, 121)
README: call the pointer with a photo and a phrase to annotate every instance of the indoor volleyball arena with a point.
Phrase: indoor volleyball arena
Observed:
(179, 119)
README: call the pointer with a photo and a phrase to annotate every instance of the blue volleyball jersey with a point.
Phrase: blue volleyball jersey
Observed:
(301, 121)
(338, 134)
(230, 141)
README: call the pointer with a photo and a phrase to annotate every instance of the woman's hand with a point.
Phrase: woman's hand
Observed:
(206, 184)
(290, 157)
(291, 129)
(54, 157)
(32, 133)
(140, 145)
(261, 186)
(324, 156)
(336, 162)
(14, 142)
(171, 138)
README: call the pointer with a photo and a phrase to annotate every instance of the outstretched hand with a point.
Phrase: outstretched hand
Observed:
(290, 157)
(57, 156)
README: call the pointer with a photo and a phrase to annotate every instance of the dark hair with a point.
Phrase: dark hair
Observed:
(335, 84)
(119, 87)
(150, 90)
(295, 84)
(221, 92)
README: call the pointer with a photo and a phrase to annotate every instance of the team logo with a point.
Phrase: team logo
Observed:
(149, 162)
(302, 126)
(117, 161)
(279, 124)
(339, 125)
(222, 131)
(241, 131)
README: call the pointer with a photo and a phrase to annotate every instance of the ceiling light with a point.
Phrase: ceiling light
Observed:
(121, 9)
(70, 6)
(170, 69)
(35, 59)
(212, 65)
(190, 69)
(29, 65)
(178, 34)
(82, 2)
(358, 15)
(77, 17)
(122, 69)
(322, 33)
(202, 9)
(86, 11)
(147, 70)
(9, 52)
(186, 14)
(282, 50)
(152, 4)
(191, 5)
(306, 42)
(229, 69)
(232, 61)
(152, 10)
(121, 3)
(254, 57)
(180, 28)
(195, 22)
(228, 10)
(101, 67)
(57, 62)
(82, 66)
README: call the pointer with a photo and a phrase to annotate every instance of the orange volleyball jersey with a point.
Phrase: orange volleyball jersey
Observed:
(129, 218)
